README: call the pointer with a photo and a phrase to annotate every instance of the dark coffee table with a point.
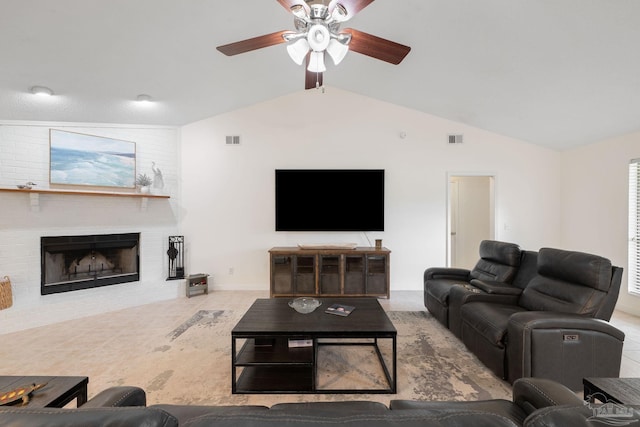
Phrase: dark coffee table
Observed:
(265, 362)
(57, 392)
(625, 391)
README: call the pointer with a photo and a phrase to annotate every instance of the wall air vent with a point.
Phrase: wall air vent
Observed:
(233, 140)
(455, 139)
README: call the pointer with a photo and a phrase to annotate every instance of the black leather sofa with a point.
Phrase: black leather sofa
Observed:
(536, 402)
(543, 314)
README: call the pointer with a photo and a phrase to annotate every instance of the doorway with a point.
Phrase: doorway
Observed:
(471, 214)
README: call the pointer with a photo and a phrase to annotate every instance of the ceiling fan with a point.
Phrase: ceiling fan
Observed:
(318, 32)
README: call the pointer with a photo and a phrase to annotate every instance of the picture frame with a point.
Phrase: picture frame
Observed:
(89, 160)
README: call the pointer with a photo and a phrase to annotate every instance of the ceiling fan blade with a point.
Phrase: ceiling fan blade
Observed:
(377, 47)
(312, 79)
(352, 6)
(253, 43)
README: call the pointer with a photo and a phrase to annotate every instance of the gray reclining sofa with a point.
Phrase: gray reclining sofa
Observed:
(536, 403)
(532, 314)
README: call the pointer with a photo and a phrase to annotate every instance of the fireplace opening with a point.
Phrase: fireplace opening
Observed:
(70, 263)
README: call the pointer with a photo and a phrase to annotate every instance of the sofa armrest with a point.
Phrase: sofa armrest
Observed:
(562, 347)
(528, 320)
(447, 273)
(531, 394)
(494, 287)
(118, 397)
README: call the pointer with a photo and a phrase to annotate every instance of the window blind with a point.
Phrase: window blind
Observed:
(634, 226)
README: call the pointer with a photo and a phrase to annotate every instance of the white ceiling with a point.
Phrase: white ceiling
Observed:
(558, 73)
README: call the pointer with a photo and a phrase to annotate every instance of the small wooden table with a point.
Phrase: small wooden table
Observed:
(624, 391)
(57, 392)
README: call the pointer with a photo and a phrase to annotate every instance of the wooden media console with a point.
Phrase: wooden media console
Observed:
(358, 272)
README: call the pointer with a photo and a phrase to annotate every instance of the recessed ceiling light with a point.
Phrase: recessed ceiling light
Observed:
(143, 98)
(41, 90)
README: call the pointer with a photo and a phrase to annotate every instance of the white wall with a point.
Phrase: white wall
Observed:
(228, 191)
(24, 156)
(595, 203)
(222, 196)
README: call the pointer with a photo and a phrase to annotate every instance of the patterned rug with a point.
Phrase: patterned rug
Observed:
(193, 366)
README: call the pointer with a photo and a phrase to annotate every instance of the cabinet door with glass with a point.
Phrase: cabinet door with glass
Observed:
(359, 272)
(305, 275)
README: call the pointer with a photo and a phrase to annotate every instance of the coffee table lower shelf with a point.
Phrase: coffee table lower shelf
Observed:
(275, 379)
(277, 368)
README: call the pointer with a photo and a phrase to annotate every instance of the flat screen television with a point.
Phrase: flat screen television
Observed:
(329, 200)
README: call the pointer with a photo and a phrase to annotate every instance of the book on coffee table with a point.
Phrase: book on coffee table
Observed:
(340, 309)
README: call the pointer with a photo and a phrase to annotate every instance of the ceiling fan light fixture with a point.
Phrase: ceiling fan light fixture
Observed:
(337, 51)
(41, 91)
(298, 50)
(318, 37)
(339, 13)
(143, 98)
(298, 11)
(316, 62)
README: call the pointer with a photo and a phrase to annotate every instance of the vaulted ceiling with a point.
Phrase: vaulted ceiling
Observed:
(559, 73)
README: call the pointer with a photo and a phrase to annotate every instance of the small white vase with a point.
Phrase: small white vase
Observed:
(145, 189)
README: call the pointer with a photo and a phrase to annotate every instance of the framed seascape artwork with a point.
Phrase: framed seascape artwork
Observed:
(79, 159)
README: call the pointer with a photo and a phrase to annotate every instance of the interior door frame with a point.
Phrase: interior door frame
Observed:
(492, 206)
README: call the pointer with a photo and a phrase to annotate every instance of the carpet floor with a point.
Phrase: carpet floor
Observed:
(185, 359)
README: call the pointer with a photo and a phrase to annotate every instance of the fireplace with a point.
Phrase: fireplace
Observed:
(70, 263)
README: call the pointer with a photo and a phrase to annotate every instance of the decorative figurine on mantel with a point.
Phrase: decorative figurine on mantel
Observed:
(26, 186)
(158, 181)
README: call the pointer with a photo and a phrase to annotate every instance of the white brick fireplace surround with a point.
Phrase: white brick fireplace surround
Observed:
(24, 156)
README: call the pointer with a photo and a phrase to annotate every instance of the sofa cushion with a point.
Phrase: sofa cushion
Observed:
(498, 261)
(576, 267)
(355, 407)
(184, 413)
(544, 294)
(105, 417)
(502, 407)
(527, 270)
(450, 417)
(568, 282)
(489, 320)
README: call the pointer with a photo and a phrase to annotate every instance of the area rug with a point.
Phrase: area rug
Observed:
(192, 366)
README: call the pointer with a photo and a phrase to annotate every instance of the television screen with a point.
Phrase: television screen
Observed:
(330, 200)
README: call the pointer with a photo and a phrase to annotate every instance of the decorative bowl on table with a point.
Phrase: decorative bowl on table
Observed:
(304, 305)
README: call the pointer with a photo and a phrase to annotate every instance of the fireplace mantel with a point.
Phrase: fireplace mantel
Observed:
(34, 194)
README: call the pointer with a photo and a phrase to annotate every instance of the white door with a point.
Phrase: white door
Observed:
(471, 217)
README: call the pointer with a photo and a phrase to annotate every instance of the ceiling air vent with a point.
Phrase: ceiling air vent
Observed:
(455, 139)
(233, 140)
